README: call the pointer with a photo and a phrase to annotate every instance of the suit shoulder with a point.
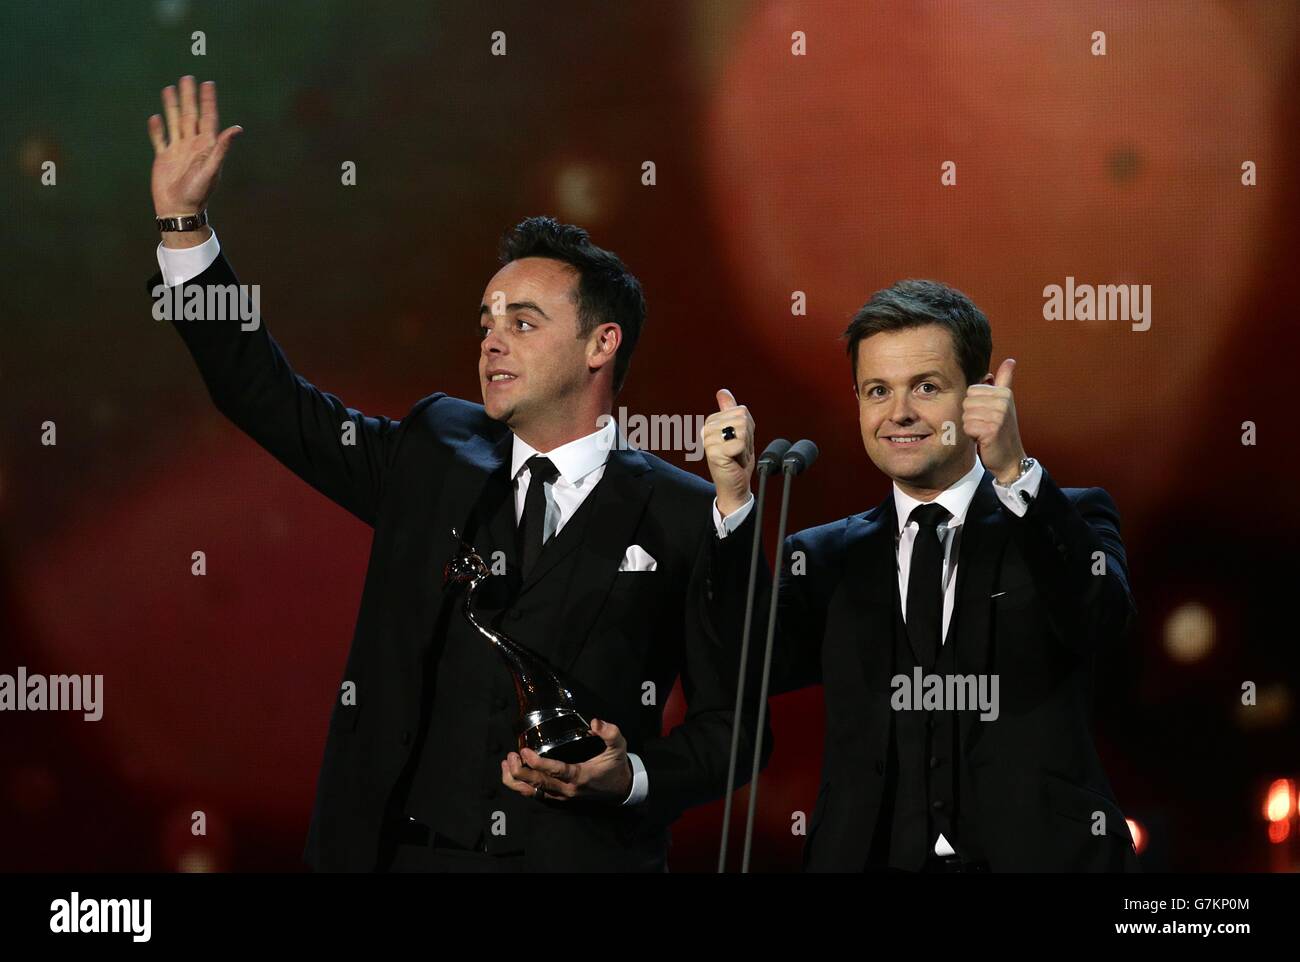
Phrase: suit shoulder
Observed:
(1090, 496)
(677, 480)
(821, 536)
(452, 420)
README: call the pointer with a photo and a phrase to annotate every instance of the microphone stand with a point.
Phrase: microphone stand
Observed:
(769, 461)
(794, 459)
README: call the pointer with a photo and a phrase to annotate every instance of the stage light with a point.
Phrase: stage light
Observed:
(582, 192)
(1139, 835)
(1279, 803)
(195, 861)
(1272, 707)
(1189, 633)
(171, 12)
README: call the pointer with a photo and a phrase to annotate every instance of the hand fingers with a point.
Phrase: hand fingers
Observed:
(725, 399)
(156, 135)
(172, 111)
(208, 108)
(189, 108)
(737, 417)
(521, 784)
(986, 397)
(739, 444)
(608, 731)
(1005, 370)
(222, 145)
(534, 778)
(562, 771)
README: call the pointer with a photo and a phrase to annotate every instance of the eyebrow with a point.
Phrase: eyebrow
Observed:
(515, 306)
(923, 376)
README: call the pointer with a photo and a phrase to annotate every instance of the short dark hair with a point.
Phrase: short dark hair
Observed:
(608, 293)
(914, 303)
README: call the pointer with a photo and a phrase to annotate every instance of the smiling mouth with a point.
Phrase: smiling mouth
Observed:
(903, 440)
(501, 378)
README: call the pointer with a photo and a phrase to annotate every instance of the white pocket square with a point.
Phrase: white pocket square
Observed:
(636, 558)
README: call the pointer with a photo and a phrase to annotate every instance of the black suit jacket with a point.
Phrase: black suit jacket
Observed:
(1028, 608)
(414, 480)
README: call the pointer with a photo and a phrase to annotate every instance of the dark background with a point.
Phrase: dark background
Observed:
(775, 173)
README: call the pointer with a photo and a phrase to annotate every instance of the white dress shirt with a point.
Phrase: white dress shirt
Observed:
(580, 463)
(956, 498)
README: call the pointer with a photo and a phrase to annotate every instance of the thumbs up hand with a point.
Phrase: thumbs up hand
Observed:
(989, 417)
(729, 453)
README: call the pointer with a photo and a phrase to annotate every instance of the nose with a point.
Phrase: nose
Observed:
(900, 411)
(492, 343)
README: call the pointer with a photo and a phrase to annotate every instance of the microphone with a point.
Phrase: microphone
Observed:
(770, 459)
(792, 460)
(799, 458)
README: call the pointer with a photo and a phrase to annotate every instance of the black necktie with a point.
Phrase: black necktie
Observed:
(925, 584)
(532, 522)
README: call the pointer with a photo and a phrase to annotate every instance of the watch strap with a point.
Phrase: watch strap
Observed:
(183, 222)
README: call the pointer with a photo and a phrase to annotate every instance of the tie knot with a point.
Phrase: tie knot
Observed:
(930, 515)
(540, 468)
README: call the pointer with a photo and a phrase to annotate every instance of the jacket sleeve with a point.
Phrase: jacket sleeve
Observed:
(688, 766)
(337, 450)
(1076, 555)
(800, 613)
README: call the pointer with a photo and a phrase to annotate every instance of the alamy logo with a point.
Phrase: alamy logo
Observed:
(921, 692)
(211, 302)
(1102, 302)
(660, 432)
(75, 915)
(83, 693)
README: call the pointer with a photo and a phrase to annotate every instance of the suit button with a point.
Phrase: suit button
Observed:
(934, 762)
(406, 738)
(880, 767)
(938, 805)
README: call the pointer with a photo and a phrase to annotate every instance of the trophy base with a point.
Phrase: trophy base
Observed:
(560, 735)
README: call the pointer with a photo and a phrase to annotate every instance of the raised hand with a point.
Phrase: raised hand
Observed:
(989, 416)
(730, 454)
(188, 152)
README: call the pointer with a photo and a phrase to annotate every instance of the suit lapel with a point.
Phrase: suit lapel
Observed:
(871, 567)
(983, 538)
(480, 488)
(617, 503)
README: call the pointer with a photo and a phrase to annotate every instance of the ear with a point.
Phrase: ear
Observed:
(602, 346)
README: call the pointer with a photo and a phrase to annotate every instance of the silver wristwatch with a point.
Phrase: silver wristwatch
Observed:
(1025, 465)
(187, 222)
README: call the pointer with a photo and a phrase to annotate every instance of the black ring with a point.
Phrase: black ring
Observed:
(728, 433)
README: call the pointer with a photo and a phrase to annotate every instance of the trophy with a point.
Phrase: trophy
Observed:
(548, 721)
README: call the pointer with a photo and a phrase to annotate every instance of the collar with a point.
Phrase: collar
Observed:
(574, 460)
(956, 497)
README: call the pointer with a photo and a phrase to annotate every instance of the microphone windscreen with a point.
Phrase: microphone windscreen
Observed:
(800, 457)
(770, 459)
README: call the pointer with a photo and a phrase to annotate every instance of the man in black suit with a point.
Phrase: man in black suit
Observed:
(980, 579)
(602, 558)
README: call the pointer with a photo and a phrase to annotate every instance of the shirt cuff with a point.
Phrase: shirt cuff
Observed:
(181, 264)
(640, 781)
(724, 526)
(1020, 493)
